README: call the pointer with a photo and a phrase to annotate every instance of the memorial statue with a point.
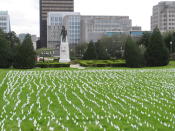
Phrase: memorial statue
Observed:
(63, 34)
(64, 47)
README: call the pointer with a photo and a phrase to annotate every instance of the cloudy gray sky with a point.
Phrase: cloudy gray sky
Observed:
(24, 14)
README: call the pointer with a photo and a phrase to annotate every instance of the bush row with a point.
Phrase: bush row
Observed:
(52, 65)
(102, 63)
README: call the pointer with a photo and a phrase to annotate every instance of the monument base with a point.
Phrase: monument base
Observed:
(64, 53)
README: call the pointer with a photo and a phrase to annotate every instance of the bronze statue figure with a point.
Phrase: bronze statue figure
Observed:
(63, 34)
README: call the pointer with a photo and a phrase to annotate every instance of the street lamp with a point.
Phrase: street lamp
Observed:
(171, 47)
(122, 50)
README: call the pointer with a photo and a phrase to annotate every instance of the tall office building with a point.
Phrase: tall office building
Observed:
(136, 28)
(4, 21)
(51, 6)
(163, 16)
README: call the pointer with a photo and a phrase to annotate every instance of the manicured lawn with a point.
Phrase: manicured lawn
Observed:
(92, 99)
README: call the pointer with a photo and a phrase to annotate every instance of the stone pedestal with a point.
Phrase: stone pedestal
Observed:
(64, 52)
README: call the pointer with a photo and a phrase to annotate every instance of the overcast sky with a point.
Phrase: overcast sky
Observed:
(24, 14)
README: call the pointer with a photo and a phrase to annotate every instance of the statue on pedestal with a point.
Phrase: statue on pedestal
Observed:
(64, 47)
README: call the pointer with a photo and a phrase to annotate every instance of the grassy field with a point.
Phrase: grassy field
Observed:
(104, 99)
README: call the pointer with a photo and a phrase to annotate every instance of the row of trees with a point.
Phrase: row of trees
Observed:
(168, 38)
(110, 47)
(95, 51)
(16, 54)
(149, 51)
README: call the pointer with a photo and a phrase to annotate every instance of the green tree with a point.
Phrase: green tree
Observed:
(172, 48)
(26, 56)
(145, 39)
(114, 44)
(167, 37)
(5, 53)
(14, 44)
(157, 54)
(13, 39)
(134, 55)
(80, 49)
(90, 53)
(101, 51)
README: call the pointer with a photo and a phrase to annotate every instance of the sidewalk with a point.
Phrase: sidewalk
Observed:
(77, 66)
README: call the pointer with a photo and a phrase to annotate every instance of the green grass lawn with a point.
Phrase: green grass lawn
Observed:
(92, 99)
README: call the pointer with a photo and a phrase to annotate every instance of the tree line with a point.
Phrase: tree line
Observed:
(111, 45)
(15, 54)
(152, 49)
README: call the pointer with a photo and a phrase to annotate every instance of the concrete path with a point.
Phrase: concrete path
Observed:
(77, 66)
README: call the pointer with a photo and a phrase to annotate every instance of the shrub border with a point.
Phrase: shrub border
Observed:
(52, 65)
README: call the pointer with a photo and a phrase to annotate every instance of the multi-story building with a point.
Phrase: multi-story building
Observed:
(94, 27)
(5, 21)
(55, 21)
(34, 41)
(136, 28)
(163, 16)
(51, 6)
(83, 28)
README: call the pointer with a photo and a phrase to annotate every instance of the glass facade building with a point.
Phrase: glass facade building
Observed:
(55, 21)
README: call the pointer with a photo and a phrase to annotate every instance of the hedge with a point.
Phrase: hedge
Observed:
(52, 65)
(102, 63)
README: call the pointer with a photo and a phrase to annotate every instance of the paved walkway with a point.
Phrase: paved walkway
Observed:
(77, 66)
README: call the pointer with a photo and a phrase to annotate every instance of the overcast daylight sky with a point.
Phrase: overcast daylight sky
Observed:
(24, 14)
